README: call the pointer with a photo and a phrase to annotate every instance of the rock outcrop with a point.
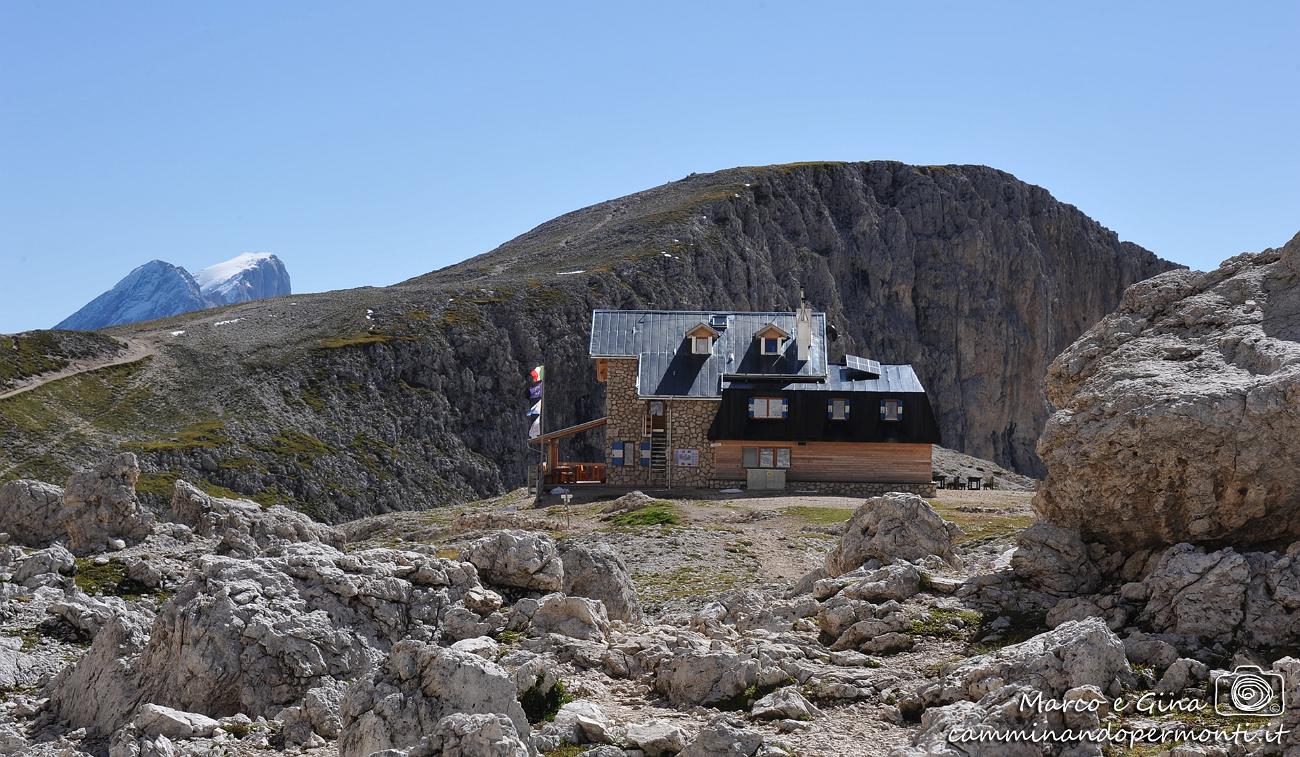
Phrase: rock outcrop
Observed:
(245, 528)
(1178, 412)
(895, 526)
(31, 512)
(402, 706)
(99, 506)
(599, 573)
(253, 636)
(517, 560)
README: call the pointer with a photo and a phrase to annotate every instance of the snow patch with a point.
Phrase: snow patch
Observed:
(570, 273)
(227, 323)
(214, 275)
(370, 314)
(178, 333)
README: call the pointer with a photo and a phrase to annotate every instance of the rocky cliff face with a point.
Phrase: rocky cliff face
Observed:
(975, 278)
(369, 400)
(1178, 412)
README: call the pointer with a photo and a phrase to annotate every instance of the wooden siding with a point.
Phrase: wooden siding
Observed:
(836, 461)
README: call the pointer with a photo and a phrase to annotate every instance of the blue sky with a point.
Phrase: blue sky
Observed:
(365, 143)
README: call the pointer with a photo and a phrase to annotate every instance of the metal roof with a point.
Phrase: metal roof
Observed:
(893, 379)
(667, 367)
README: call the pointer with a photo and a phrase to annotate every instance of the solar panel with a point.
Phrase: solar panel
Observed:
(862, 365)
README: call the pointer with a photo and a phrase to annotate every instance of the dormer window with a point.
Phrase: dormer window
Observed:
(701, 337)
(771, 339)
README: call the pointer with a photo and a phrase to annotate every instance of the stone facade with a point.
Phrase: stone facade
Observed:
(688, 424)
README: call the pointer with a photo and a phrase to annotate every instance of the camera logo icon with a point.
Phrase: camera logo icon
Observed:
(1249, 691)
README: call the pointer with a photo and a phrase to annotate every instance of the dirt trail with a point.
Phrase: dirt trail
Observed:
(135, 350)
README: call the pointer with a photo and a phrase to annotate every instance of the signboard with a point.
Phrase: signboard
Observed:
(686, 458)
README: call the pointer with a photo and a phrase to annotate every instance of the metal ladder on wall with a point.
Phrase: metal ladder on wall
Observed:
(659, 454)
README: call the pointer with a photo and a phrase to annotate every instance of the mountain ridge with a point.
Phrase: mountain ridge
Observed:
(368, 400)
(159, 289)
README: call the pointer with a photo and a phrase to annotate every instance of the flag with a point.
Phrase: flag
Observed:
(535, 392)
(536, 409)
(535, 430)
(538, 373)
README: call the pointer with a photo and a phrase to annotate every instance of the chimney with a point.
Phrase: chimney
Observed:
(803, 327)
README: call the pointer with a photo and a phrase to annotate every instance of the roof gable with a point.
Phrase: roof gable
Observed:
(669, 369)
(703, 329)
(772, 331)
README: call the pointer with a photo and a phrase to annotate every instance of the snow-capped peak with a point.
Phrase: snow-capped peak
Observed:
(215, 275)
(251, 276)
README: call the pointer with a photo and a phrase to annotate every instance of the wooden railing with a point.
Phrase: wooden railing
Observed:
(576, 473)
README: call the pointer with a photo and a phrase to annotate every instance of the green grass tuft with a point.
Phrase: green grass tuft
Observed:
(819, 516)
(938, 623)
(201, 435)
(658, 513)
(355, 340)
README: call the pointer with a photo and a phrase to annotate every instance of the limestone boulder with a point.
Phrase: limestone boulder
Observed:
(516, 559)
(1001, 710)
(154, 720)
(711, 677)
(894, 526)
(599, 573)
(725, 736)
(574, 617)
(44, 567)
(1075, 653)
(416, 687)
(474, 735)
(100, 505)
(30, 512)
(1054, 560)
(785, 703)
(1196, 593)
(656, 739)
(1178, 413)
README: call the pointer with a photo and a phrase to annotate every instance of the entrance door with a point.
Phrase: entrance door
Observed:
(656, 418)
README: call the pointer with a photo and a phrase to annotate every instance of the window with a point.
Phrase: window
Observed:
(765, 457)
(701, 345)
(771, 345)
(621, 453)
(891, 410)
(768, 408)
(837, 409)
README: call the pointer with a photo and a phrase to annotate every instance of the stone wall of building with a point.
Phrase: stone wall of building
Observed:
(626, 423)
(688, 428)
